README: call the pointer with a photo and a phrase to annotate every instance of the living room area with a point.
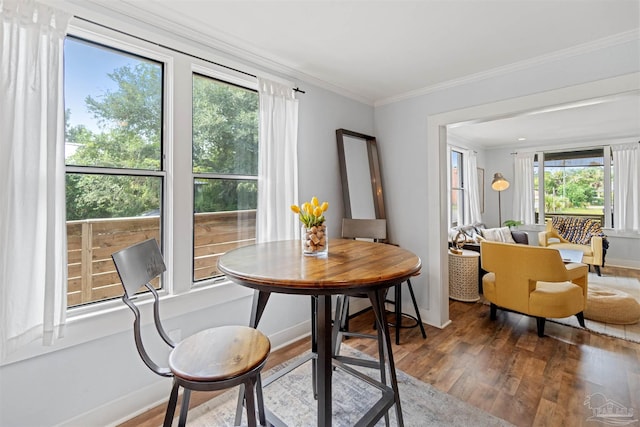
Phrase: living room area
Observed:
(563, 210)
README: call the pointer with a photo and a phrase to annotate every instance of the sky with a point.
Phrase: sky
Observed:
(86, 68)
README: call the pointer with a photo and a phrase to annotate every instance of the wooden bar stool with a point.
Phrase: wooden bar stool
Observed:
(213, 359)
(376, 230)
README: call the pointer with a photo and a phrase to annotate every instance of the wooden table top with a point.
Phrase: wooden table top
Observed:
(352, 266)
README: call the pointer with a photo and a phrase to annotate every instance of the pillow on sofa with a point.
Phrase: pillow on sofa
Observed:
(468, 232)
(502, 234)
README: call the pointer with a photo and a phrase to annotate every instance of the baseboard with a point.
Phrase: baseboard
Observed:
(125, 407)
(625, 263)
(135, 403)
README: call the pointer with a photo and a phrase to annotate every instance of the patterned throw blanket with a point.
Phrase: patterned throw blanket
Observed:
(579, 230)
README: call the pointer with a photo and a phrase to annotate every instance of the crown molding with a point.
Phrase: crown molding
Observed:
(616, 39)
(239, 54)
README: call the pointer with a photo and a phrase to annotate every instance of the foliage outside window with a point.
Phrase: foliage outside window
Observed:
(225, 169)
(113, 151)
(574, 183)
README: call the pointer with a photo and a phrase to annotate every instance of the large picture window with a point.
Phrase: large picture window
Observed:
(574, 183)
(114, 158)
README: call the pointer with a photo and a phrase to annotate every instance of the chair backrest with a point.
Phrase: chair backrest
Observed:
(137, 265)
(375, 229)
(517, 268)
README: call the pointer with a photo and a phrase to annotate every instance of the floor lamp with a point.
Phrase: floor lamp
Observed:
(499, 184)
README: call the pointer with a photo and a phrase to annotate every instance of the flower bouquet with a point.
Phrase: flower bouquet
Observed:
(314, 229)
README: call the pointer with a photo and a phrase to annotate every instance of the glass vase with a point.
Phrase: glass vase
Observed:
(315, 241)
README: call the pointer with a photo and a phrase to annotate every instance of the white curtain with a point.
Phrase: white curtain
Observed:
(523, 191)
(278, 164)
(626, 186)
(33, 249)
(470, 168)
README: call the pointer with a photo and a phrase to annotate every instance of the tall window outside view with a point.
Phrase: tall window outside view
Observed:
(574, 183)
(225, 170)
(113, 151)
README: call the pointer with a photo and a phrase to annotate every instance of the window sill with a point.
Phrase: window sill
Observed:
(113, 317)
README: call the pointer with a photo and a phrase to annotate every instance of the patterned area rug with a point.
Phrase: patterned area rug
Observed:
(290, 398)
(627, 332)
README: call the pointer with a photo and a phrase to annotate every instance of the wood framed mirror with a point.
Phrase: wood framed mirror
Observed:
(360, 172)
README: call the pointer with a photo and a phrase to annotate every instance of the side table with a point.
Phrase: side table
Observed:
(463, 276)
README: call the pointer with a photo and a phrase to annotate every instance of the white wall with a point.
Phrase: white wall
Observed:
(412, 147)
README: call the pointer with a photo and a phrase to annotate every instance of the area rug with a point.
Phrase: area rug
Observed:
(627, 332)
(291, 399)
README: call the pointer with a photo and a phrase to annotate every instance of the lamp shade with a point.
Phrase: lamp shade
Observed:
(499, 183)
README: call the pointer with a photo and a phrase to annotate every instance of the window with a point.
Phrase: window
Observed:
(457, 189)
(225, 170)
(114, 157)
(574, 183)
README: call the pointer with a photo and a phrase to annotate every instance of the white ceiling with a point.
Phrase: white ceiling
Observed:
(594, 121)
(381, 51)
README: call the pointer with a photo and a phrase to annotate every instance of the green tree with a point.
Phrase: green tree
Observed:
(578, 187)
(225, 141)
(136, 106)
(130, 121)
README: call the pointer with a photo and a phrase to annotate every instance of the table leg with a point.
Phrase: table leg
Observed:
(260, 299)
(398, 307)
(324, 362)
(377, 299)
(314, 345)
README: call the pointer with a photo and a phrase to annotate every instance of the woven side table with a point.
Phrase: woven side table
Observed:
(463, 276)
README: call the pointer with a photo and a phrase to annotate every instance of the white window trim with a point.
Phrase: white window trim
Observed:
(540, 152)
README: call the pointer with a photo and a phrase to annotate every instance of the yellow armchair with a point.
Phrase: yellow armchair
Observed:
(533, 280)
(592, 253)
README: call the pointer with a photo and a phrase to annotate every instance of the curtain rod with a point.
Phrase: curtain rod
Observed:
(295, 89)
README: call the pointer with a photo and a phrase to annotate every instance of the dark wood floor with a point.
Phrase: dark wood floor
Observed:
(502, 366)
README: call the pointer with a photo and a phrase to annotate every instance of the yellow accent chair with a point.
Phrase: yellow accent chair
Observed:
(578, 234)
(533, 280)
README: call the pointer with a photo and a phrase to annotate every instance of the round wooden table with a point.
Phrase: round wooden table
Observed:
(352, 267)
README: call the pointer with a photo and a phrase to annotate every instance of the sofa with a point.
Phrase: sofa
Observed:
(533, 280)
(578, 234)
(475, 233)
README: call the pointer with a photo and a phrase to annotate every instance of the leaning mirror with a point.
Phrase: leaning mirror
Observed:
(360, 172)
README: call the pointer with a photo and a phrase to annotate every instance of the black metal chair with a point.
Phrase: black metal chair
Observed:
(376, 230)
(213, 359)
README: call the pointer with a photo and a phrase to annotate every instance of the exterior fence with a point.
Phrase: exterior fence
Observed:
(597, 217)
(92, 276)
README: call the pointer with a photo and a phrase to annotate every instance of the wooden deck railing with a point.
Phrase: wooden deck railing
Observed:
(597, 217)
(92, 275)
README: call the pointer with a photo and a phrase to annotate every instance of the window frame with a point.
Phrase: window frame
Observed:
(105, 318)
(461, 188)
(234, 78)
(541, 158)
(95, 35)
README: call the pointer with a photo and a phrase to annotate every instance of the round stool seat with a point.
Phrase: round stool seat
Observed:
(219, 354)
(611, 306)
